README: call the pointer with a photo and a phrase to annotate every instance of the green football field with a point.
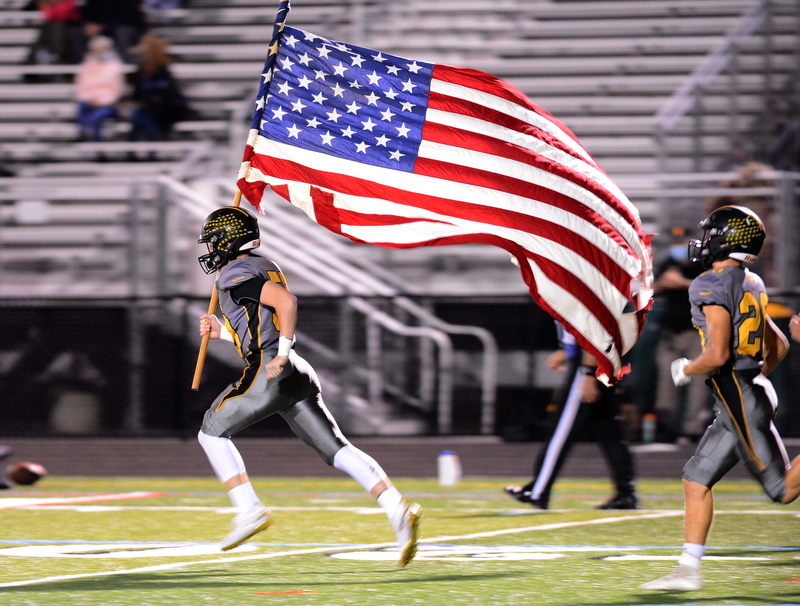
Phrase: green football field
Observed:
(78, 541)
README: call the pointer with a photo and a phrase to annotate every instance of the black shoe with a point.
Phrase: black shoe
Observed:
(523, 495)
(540, 503)
(621, 502)
(514, 491)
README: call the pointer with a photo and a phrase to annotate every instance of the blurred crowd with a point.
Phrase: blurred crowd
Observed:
(123, 69)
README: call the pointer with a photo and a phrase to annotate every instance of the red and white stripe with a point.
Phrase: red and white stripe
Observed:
(492, 168)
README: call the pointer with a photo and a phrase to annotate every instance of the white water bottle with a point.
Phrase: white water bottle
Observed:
(449, 468)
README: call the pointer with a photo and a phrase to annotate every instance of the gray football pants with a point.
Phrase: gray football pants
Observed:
(295, 394)
(743, 431)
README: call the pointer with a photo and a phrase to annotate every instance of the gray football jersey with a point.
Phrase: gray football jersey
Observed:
(742, 293)
(254, 325)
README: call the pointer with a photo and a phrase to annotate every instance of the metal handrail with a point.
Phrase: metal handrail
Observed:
(490, 356)
(445, 405)
(191, 160)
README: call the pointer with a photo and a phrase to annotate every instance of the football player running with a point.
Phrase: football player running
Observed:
(260, 318)
(741, 346)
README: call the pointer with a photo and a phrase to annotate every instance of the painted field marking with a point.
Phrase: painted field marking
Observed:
(117, 550)
(268, 556)
(284, 592)
(483, 553)
(556, 526)
(643, 557)
(221, 509)
(23, 502)
(174, 565)
(500, 553)
(76, 504)
(373, 546)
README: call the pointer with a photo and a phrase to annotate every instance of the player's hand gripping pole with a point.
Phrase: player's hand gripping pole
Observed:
(212, 307)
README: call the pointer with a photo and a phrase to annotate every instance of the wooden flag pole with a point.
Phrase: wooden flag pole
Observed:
(212, 307)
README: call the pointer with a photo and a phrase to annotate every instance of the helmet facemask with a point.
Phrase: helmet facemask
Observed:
(216, 257)
(695, 248)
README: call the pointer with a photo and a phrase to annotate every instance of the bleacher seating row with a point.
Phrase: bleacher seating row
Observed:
(75, 240)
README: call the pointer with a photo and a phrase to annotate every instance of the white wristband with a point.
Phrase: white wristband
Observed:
(284, 346)
(225, 334)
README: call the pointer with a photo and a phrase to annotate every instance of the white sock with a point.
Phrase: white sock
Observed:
(222, 454)
(688, 560)
(391, 501)
(243, 497)
(694, 549)
(359, 466)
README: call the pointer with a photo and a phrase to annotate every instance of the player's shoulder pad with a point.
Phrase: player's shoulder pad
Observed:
(754, 279)
(711, 286)
(240, 271)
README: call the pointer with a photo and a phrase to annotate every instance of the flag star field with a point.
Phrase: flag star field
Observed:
(344, 100)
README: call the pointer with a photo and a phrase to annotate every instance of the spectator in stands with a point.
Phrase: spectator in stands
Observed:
(159, 6)
(158, 101)
(98, 87)
(59, 39)
(683, 413)
(121, 20)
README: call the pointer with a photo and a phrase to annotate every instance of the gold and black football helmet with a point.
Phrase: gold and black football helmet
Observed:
(733, 232)
(228, 232)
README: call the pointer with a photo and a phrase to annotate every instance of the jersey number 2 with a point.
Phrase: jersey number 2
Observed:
(751, 330)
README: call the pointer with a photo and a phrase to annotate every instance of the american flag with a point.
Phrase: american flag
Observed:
(403, 153)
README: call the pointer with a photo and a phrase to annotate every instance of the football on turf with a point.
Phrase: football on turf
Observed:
(25, 473)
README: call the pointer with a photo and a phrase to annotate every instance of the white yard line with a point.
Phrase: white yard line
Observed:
(263, 556)
(495, 533)
(667, 513)
(20, 502)
(221, 509)
(267, 556)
